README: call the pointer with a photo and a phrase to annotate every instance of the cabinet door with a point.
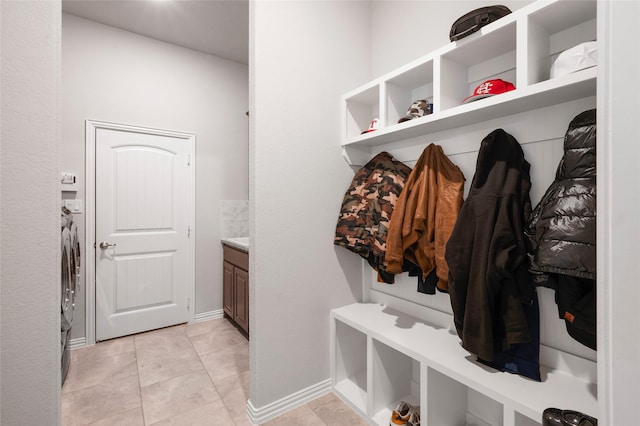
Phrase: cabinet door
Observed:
(241, 317)
(227, 289)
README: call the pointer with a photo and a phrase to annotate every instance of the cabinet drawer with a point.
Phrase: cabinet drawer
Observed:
(236, 257)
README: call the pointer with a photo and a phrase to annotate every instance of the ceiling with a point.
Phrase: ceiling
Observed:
(216, 27)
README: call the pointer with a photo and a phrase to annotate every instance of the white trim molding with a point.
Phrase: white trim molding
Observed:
(270, 411)
(211, 315)
(618, 226)
(80, 342)
(91, 128)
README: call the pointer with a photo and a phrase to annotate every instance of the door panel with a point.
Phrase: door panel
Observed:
(227, 292)
(143, 281)
(241, 301)
(147, 204)
(142, 212)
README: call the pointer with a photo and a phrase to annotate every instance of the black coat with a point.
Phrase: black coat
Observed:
(486, 253)
(562, 229)
(562, 232)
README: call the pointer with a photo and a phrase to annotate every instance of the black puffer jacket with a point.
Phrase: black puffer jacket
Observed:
(562, 229)
(562, 232)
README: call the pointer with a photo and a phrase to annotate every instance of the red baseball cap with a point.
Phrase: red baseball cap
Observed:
(490, 88)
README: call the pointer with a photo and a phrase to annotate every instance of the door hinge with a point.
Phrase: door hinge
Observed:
(188, 159)
(188, 304)
(189, 231)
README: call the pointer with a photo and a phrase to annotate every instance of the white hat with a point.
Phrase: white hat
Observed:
(584, 55)
(372, 126)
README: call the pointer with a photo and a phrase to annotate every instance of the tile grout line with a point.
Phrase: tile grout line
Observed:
(135, 351)
(173, 415)
(212, 381)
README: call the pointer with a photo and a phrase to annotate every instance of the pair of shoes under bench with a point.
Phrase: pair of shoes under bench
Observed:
(405, 415)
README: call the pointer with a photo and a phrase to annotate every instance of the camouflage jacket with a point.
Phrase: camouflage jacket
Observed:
(366, 210)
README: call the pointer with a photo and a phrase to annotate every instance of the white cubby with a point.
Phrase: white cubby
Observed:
(518, 48)
(362, 107)
(350, 371)
(451, 403)
(462, 69)
(521, 420)
(404, 88)
(550, 30)
(396, 377)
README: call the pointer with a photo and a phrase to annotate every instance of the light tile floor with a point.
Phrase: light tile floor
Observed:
(184, 375)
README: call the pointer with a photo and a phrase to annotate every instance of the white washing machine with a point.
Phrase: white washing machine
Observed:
(75, 260)
(66, 286)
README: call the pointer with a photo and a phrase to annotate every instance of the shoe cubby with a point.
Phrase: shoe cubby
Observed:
(521, 420)
(519, 48)
(396, 377)
(450, 402)
(350, 365)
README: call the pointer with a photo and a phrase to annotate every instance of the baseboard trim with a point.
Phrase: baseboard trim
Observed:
(288, 403)
(206, 316)
(80, 342)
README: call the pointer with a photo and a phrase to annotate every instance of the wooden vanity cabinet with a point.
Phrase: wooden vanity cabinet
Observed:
(236, 287)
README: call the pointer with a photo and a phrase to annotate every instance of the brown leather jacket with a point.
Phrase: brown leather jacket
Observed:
(425, 215)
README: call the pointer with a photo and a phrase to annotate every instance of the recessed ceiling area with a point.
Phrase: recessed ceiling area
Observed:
(216, 27)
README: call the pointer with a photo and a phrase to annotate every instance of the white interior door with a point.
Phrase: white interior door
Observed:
(142, 229)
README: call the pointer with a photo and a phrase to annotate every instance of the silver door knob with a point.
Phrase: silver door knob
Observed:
(104, 245)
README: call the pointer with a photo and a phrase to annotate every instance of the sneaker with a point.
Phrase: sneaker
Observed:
(401, 414)
(414, 419)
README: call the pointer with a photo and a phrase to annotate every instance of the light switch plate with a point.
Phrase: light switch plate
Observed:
(75, 206)
(68, 178)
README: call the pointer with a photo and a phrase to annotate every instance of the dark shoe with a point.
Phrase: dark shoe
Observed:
(552, 417)
(558, 417)
(576, 418)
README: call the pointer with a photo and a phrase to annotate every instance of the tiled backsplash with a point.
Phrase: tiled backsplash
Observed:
(234, 218)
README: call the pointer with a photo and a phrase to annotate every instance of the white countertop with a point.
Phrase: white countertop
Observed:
(241, 243)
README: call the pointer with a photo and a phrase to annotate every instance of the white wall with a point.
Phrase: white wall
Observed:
(30, 271)
(117, 76)
(303, 56)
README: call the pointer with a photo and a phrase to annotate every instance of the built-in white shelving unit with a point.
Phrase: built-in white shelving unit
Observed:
(519, 48)
(385, 352)
(381, 355)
